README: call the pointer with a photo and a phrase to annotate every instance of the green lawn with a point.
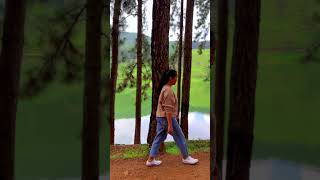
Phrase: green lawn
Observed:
(284, 24)
(171, 148)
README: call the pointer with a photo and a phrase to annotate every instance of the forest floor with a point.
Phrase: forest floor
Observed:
(128, 162)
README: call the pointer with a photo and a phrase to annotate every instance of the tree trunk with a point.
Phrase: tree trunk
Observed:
(213, 122)
(187, 68)
(220, 83)
(243, 89)
(107, 84)
(91, 108)
(105, 93)
(180, 59)
(10, 64)
(114, 67)
(139, 73)
(159, 55)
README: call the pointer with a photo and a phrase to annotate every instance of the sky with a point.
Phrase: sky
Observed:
(132, 21)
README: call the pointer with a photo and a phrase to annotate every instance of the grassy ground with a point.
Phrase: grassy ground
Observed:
(136, 151)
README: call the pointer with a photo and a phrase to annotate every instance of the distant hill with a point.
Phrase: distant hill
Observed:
(130, 40)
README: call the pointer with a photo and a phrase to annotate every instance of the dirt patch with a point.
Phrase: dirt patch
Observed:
(171, 168)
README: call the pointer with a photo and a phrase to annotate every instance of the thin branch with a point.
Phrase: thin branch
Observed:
(61, 46)
(74, 9)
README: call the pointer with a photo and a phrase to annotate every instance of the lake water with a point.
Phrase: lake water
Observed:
(198, 123)
(275, 169)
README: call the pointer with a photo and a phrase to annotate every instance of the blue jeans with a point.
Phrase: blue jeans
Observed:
(162, 131)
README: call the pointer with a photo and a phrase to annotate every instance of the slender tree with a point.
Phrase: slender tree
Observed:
(10, 63)
(212, 119)
(220, 81)
(243, 89)
(114, 67)
(106, 98)
(187, 68)
(180, 55)
(213, 122)
(91, 108)
(159, 55)
(202, 25)
(139, 74)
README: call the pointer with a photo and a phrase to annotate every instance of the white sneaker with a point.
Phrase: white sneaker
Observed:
(190, 160)
(153, 163)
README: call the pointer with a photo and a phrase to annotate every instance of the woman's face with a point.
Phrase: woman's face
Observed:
(173, 80)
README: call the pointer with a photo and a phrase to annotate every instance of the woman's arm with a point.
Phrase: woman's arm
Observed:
(170, 127)
(168, 104)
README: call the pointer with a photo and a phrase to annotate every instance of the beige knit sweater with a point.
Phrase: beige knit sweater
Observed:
(167, 102)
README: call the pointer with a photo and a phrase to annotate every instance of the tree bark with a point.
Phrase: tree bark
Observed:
(180, 58)
(243, 89)
(213, 122)
(10, 65)
(91, 108)
(159, 55)
(139, 73)
(114, 67)
(187, 68)
(106, 99)
(220, 82)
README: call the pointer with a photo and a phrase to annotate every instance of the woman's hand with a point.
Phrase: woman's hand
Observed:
(169, 119)
(170, 130)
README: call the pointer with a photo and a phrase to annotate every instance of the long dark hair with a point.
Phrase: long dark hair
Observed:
(165, 78)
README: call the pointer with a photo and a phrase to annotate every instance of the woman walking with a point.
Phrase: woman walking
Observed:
(167, 113)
